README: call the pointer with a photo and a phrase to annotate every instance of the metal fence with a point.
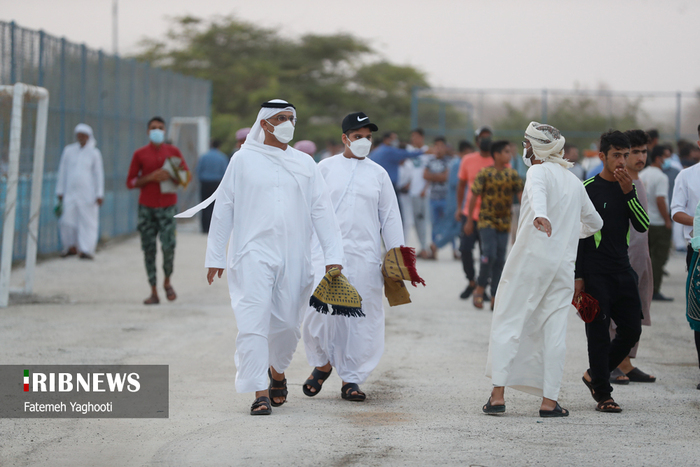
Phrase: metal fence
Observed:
(115, 96)
(582, 115)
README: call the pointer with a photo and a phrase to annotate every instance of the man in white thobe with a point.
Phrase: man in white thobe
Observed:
(367, 211)
(80, 188)
(528, 331)
(269, 202)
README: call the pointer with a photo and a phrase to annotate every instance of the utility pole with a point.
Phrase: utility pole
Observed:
(115, 27)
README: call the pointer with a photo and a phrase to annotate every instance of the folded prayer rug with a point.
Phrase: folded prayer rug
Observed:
(335, 290)
(399, 266)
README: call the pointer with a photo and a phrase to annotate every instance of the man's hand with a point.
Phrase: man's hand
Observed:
(543, 224)
(669, 224)
(331, 266)
(578, 288)
(624, 179)
(458, 215)
(159, 175)
(468, 227)
(214, 272)
(99, 201)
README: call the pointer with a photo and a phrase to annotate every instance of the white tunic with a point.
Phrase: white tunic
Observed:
(81, 183)
(367, 210)
(267, 206)
(528, 330)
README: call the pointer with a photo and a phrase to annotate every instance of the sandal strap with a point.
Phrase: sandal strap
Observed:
(350, 387)
(315, 376)
(260, 402)
(274, 384)
(608, 404)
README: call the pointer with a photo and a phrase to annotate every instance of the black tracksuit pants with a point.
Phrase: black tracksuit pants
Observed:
(619, 300)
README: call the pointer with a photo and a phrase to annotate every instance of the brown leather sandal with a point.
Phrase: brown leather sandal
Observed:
(170, 293)
(152, 300)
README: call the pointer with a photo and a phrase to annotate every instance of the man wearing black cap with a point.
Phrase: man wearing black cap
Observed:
(367, 211)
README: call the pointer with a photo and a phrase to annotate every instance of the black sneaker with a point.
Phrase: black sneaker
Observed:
(467, 292)
(660, 298)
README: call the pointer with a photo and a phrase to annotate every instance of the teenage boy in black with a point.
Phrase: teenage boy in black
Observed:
(603, 268)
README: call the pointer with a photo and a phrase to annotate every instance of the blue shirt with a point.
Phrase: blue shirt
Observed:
(391, 158)
(212, 166)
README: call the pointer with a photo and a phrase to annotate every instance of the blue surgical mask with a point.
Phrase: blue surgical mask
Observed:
(156, 136)
(666, 164)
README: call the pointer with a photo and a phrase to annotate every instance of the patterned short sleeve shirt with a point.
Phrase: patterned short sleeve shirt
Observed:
(496, 188)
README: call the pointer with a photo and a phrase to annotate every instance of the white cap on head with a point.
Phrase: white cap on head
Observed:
(268, 109)
(547, 143)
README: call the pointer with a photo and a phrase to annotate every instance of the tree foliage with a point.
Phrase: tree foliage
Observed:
(325, 76)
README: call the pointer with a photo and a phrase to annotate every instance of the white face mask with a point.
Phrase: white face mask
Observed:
(360, 147)
(284, 132)
(527, 160)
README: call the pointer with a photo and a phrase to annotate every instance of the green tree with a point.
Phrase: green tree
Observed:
(325, 76)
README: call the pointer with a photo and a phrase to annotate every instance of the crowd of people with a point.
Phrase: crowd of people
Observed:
(278, 223)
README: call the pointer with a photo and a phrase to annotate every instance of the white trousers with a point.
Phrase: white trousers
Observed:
(266, 296)
(79, 226)
(352, 345)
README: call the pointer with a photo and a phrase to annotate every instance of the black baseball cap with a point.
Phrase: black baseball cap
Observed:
(357, 120)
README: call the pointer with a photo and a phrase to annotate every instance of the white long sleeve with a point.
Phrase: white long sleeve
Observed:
(61, 181)
(536, 189)
(99, 175)
(325, 222)
(221, 221)
(591, 222)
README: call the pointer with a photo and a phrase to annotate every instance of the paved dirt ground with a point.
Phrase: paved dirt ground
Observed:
(424, 399)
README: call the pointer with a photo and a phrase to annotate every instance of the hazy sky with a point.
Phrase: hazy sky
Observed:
(633, 45)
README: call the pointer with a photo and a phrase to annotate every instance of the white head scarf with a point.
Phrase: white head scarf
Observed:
(86, 130)
(256, 131)
(547, 143)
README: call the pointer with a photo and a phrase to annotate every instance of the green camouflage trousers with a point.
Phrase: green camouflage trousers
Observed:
(152, 221)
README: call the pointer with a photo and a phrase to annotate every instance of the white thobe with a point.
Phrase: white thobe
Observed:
(367, 211)
(267, 206)
(528, 329)
(81, 183)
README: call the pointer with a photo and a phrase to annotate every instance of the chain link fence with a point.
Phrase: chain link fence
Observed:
(115, 96)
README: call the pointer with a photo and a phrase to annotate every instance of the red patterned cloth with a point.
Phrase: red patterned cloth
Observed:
(587, 307)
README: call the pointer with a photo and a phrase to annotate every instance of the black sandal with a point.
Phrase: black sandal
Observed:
(313, 381)
(556, 412)
(609, 406)
(350, 387)
(493, 409)
(589, 385)
(261, 401)
(277, 389)
(638, 376)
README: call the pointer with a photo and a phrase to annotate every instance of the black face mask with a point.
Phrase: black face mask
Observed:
(485, 145)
